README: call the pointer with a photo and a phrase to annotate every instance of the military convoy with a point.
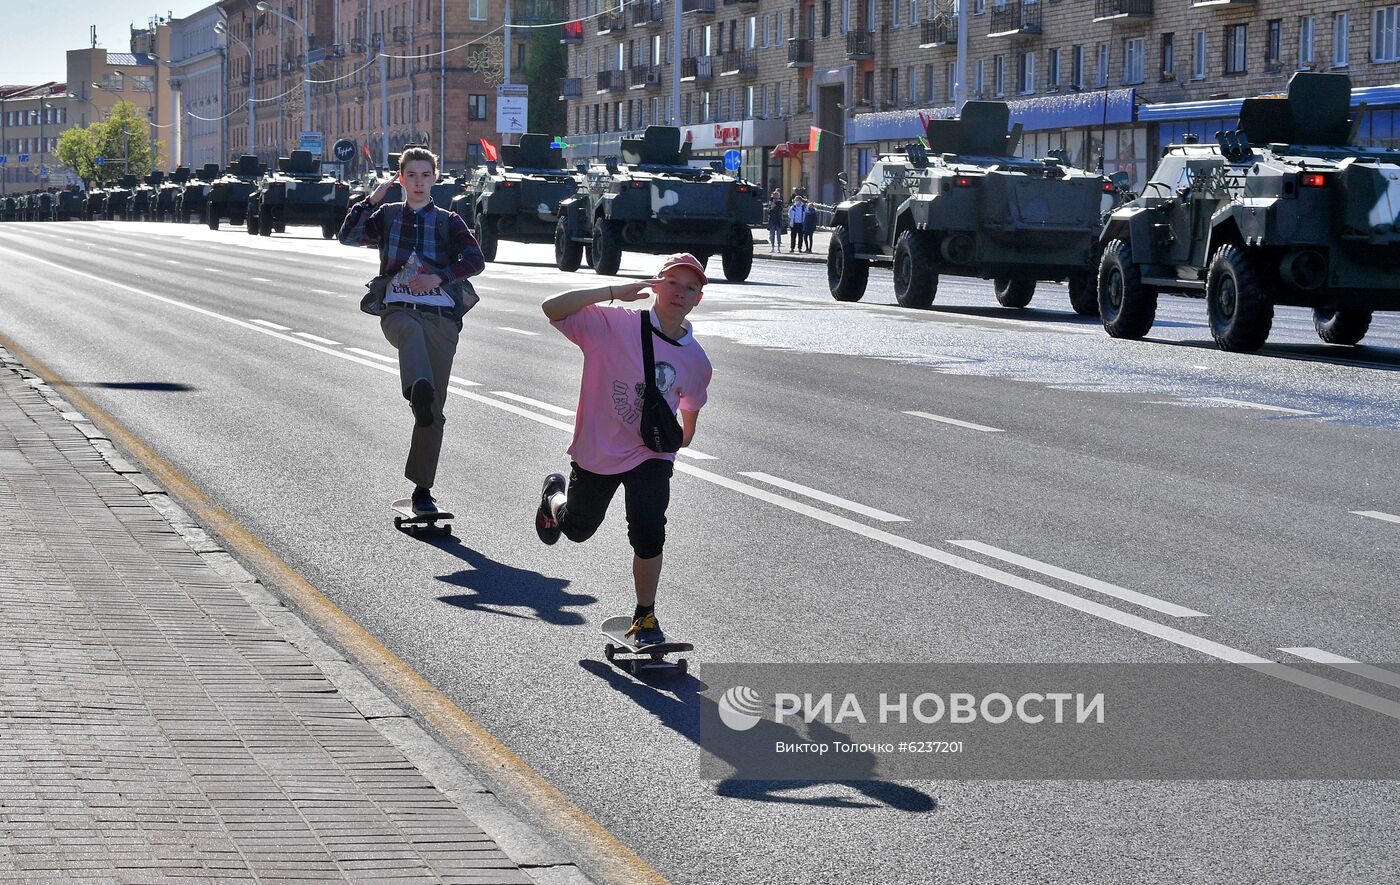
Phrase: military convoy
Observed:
(229, 193)
(655, 201)
(297, 193)
(518, 197)
(966, 206)
(194, 193)
(1285, 210)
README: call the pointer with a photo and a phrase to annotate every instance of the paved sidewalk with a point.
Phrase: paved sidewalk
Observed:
(821, 239)
(155, 725)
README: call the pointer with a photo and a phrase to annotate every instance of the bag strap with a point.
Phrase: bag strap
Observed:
(648, 358)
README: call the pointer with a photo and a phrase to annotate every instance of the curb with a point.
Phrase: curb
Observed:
(533, 851)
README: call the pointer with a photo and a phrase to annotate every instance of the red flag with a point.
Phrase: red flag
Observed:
(489, 151)
(365, 148)
(814, 138)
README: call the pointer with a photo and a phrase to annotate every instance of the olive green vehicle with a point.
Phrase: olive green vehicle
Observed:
(1285, 210)
(119, 199)
(194, 193)
(655, 201)
(228, 195)
(966, 206)
(298, 193)
(518, 198)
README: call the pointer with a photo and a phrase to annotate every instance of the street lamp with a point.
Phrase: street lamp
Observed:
(126, 137)
(221, 28)
(306, 57)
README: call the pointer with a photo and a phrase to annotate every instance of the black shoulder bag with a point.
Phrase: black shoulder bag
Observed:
(661, 432)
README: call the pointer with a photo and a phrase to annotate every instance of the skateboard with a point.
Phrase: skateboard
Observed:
(644, 657)
(410, 522)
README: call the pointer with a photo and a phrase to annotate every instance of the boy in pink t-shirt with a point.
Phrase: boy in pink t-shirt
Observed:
(607, 448)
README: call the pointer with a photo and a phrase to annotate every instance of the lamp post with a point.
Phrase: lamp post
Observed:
(306, 57)
(44, 108)
(221, 28)
(5, 170)
(126, 139)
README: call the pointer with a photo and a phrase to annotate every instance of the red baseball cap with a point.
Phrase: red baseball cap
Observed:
(684, 259)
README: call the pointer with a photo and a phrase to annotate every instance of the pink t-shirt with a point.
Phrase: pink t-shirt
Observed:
(606, 436)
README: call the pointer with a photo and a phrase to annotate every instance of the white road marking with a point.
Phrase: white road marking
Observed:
(1376, 514)
(1246, 404)
(548, 407)
(324, 292)
(171, 261)
(372, 355)
(272, 325)
(213, 270)
(955, 422)
(260, 279)
(1088, 583)
(516, 331)
(825, 498)
(1350, 665)
(317, 338)
(1051, 594)
(453, 379)
(696, 455)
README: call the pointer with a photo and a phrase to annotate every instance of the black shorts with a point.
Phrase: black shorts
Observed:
(647, 493)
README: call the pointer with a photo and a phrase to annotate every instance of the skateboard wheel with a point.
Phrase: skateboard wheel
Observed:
(447, 528)
(609, 651)
(634, 667)
(682, 666)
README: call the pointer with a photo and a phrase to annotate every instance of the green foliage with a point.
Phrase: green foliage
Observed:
(125, 133)
(77, 150)
(547, 64)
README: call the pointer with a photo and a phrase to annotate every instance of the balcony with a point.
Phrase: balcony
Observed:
(357, 44)
(612, 22)
(697, 7)
(1230, 4)
(800, 52)
(538, 12)
(612, 81)
(570, 87)
(648, 14)
(739, 61)
(1111, 10)
(700, 68)
(737, 2)
(400, 33)
(941, 31)
(1015, 19)
(860, 44)
(644, 77)
(572, 32)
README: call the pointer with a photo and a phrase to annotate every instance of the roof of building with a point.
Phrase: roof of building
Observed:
(12, 93)
(131, 59)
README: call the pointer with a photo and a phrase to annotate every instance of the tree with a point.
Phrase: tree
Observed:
(545, 67)
(124, 138)
(77, 149)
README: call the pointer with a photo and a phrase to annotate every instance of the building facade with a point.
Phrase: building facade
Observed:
(197, 84)
(1110, 79)
(31, 120)
(98, 79)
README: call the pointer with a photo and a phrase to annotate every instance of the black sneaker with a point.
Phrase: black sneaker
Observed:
(420, 397)
(546, 526)
(422, 501)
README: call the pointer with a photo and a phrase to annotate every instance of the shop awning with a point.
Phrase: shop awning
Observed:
(1063, 110)
(1371, 96)
(789, 149)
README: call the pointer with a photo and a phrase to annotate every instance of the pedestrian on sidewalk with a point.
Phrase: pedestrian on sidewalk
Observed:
(776, 218)
(608, 449)
(809, 225)
(426, 257)
(797, 216)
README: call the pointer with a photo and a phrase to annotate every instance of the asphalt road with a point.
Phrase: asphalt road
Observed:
(845, 449)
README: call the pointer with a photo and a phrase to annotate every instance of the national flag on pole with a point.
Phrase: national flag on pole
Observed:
(488, 150)
(365, 148)
(814, 138)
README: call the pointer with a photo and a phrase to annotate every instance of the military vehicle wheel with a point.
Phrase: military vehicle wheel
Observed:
(1083, 294)
(329, 229)
(487, 236)
(568, 252)
(212, 217)
(1239, 313)
(264, 223)
(738, 257)
(846, 275)
(1127, 308)
(915, 274)
(1341, 326)
(607, 247)
(1013, 293)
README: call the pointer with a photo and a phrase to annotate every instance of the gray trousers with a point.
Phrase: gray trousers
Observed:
(426, 343)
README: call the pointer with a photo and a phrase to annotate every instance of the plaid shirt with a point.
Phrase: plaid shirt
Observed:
(399, 231)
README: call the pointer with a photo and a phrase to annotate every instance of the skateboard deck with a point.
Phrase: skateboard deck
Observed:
(640, 657)
(411, 522)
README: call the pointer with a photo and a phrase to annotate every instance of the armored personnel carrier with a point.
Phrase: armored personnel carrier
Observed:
(966, 206)
(194, 193)
(1284, 210)
(143, 198)
(42, 206)
(9, 209)
(119, 202)
(298, 193)
(228, 194)
(518, 198)
(68, 204)
(168, 192)
(95, 204)
(655, 201)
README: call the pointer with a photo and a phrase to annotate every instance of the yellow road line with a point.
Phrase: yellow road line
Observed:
(605, 855)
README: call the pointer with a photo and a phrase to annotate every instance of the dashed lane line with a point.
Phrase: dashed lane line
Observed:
(517, 331)
(548, 407)
(317, 338)
(1088, 583)
(824, 497)
(272, 325)
(1376, 514)
(1349, 665)
(955, 422)
(1246, 404)
(372, 355)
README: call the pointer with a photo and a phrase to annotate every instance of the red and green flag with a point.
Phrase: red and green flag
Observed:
(814, 138)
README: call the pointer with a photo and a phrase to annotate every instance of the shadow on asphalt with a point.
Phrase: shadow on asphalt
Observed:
(153, 386)
(498, 588)
(1386, 359)
(676, 702)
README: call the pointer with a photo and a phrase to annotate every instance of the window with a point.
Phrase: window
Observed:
(1076, 66)
(1198, 55)
(895, 14)
(1273, 45)
(1385, 34)
(1341, 33)
(999, 74)
(867, 92)
(949, 80)
(751, 32)
(826, 18)
(1307, 26)
(767, 30)
(979, 7)
(1025, 73)
(979, 77)
(929, 92)
(913, 94)
(1134, 52)
(913, 13)
(476, 107)
(894, 86)
(476, 10)
(845, 16)
(748, 103)
(1236, 43)
(518, 62)
(870, 7)
(1101, 66)
(1168, 56)
(1052, 73)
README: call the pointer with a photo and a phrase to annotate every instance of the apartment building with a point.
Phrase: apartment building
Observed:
(432, 84)
(197, 81)
(1110, 79)
(31, 120)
